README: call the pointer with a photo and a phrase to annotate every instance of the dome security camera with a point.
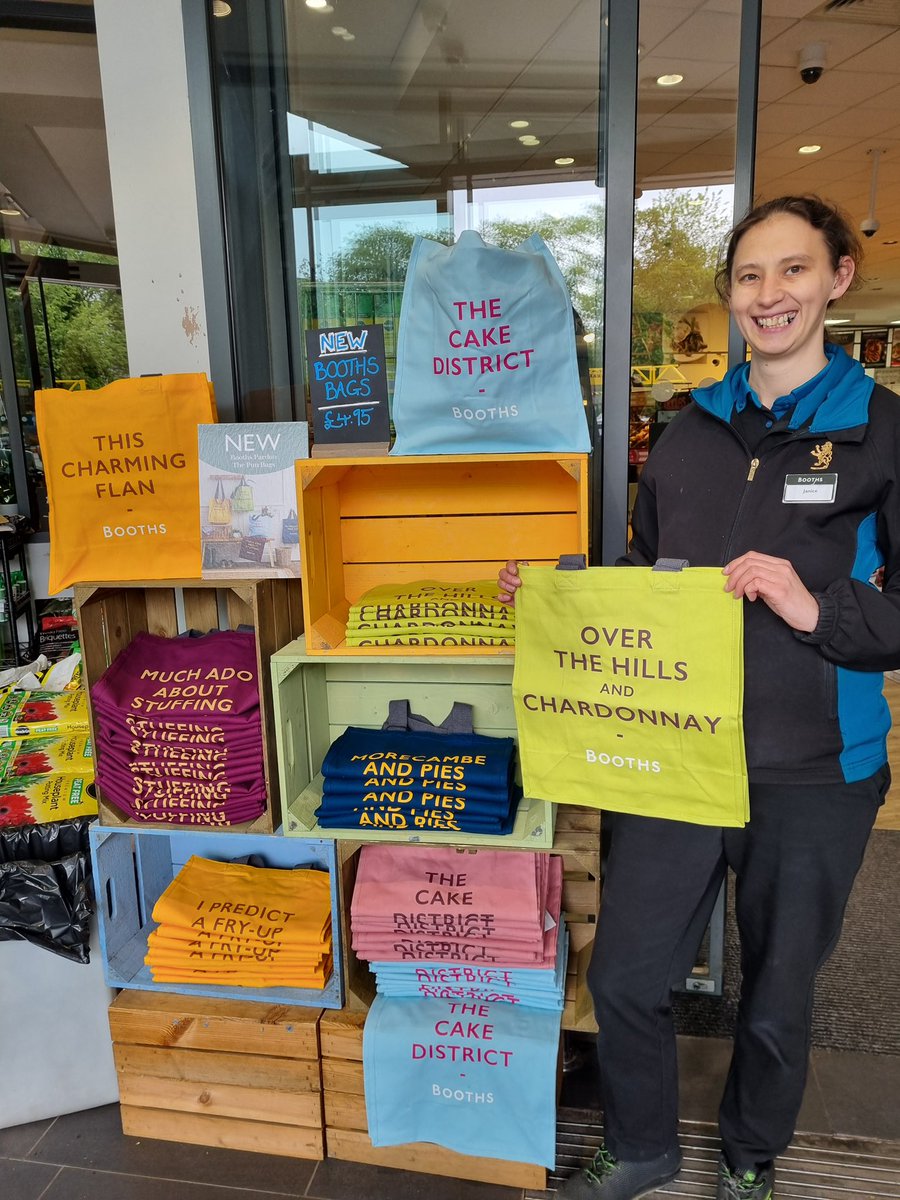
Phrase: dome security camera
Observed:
(811, 61)
(869, 227)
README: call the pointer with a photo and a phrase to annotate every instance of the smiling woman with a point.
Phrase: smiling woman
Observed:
(787, 263)
(785, 475)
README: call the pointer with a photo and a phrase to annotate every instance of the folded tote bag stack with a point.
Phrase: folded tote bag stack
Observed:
(178, 730)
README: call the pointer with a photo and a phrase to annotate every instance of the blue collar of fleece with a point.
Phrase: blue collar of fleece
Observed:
(836, 398)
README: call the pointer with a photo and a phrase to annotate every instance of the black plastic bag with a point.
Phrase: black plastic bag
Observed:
(45, 887)
(46, 842)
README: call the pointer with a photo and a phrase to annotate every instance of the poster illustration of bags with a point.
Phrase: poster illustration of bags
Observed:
(478, 1078)
(121, 471)
(628, 692)
(486, 359)
(248, 498)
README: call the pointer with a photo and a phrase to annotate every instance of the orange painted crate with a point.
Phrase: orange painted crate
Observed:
(375, 520)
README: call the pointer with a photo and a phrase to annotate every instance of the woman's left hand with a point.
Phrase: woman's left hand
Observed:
(773, 580)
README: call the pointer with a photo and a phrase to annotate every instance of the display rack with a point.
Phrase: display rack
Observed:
(13, 550)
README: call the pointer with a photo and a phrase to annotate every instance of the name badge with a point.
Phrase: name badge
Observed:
(810, 489)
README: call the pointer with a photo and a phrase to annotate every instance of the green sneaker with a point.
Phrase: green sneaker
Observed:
(609, 1178)
(750, 1184)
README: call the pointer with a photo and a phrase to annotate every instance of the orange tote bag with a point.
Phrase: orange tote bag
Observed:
(122, 475)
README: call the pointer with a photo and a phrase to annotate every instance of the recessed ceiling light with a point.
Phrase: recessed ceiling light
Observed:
(519, 124)
(813, 148)
(339, 30)
(669, 80)
(220, 8)
(564, 162)
(348, 37)
(530, 140)
(316, 3)
(8, 207)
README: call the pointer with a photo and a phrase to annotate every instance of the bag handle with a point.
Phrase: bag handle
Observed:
(572, 562)
(220, 491)
(401, 720)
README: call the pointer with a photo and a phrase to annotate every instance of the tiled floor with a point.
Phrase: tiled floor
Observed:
(84, 1156)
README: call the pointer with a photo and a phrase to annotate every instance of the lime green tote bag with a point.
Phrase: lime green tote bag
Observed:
(628, 688)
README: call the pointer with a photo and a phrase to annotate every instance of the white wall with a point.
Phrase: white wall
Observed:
(151, 166)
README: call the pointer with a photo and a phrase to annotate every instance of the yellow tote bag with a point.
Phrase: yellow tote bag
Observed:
(122, 475)
(628, 688)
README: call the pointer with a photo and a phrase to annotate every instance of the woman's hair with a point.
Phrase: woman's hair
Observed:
(834, 225)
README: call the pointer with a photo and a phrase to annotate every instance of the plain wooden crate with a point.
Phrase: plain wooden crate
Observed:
(346, 1130)
(375, 520)
(219, 1073)
(132, 868)
(577, 841)
(316, 697)
(111, 614)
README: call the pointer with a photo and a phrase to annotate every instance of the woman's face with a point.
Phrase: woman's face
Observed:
(781, 283)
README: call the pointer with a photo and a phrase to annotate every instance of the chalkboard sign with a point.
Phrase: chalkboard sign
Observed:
(348, 384)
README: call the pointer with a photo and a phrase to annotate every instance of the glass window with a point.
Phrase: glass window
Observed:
(687, 114)
(404, 119)
(63, 310)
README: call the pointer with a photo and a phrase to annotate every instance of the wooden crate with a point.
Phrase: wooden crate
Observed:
(577, 841)
(581, 890)
(132, 868)
(316, 697)
(219, 1073)
(111, 614)
(346, 1130)
(375, 520)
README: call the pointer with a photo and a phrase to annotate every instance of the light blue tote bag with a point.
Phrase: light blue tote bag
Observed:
(477, 1078)
(486, 358)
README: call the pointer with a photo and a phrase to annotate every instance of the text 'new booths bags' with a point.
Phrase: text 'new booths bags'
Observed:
(628, 690)
(486, 358)
(122, 478)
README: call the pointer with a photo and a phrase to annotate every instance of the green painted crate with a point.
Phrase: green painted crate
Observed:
(316, 698)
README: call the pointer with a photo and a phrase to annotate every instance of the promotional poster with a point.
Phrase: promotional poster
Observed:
(248, 498)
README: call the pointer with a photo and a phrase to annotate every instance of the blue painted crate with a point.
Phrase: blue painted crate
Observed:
(132, 868)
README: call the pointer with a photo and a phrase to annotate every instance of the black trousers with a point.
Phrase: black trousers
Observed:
(795, 863)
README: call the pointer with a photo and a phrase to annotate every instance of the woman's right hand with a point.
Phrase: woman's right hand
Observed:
(508, 583)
